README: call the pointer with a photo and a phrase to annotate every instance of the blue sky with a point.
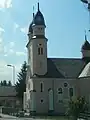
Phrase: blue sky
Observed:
(66, 21)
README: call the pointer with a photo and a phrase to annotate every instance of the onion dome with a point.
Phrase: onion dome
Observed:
(86, 45)
(38, 18)
(85, 1)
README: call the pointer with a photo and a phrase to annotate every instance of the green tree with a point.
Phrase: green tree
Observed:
(21, 83)
(9, 83)
(76, 107)
(1, 83)
(4, 83)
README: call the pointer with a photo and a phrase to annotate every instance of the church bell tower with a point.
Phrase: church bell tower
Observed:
(37, 45)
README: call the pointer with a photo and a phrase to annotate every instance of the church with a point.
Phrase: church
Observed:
(51, 82)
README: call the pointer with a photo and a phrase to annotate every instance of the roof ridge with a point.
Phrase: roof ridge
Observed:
(66, 58)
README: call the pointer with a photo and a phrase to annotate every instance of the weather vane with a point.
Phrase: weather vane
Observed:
(87, 6)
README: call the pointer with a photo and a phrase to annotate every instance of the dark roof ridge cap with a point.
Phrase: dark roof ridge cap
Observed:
(65, 58)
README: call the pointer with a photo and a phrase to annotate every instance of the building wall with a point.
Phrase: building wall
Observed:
(84, 86)
(42, 107)
(38, 62)
(85, 53)
(59, 102)
(8, 101)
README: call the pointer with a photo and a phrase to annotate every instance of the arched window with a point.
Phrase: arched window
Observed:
(40, 49)
(42, 87)
(59, 90)
(71, 92)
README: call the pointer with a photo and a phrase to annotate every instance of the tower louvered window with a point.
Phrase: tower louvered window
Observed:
(40, 51)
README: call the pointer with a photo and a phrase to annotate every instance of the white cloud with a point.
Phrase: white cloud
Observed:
(5, 3)
(16, 26)
(12, 44)
(5, 55)
(24, 30)
(25, 49)
(1, 41)
(1, 46)
(2, 30)
(20, 53)
(11, 51)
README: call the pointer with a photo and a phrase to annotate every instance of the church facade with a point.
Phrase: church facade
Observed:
(51, 82)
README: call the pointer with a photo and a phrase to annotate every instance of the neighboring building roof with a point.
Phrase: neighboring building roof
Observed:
(86, 71)
(63, 68)
(6, 91)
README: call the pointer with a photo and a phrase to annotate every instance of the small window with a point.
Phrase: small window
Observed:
(41, 87)
(41, 100)
(65, 84)
(40, 51)
(59, 90)
(39, 28)
(71, 92)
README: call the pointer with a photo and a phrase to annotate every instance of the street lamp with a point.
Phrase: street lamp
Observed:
(9, 65)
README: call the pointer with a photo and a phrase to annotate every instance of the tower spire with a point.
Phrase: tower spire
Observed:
(33, 11)
(85, 36)
(38, 5)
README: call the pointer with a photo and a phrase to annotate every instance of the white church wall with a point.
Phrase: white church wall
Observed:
(84, 86)
(54, 84)
(61, 100)
(42, 97)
